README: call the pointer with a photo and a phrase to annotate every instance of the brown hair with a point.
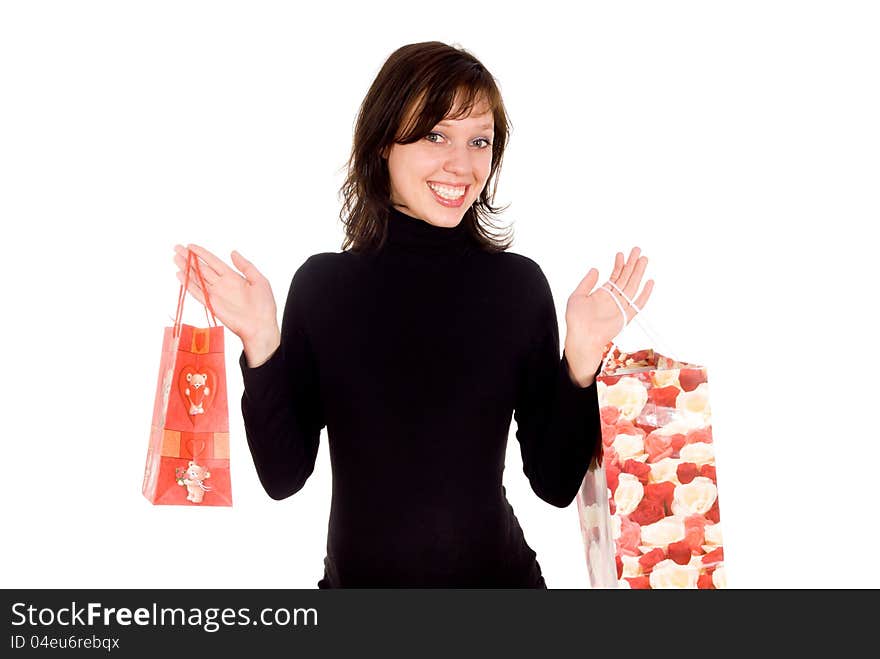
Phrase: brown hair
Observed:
(418, 84)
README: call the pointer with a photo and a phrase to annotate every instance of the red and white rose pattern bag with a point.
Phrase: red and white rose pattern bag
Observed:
(648, 510)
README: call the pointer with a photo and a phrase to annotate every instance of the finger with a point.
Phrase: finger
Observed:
(628, 268)
(246, 268)
(217, 265)
(180, 256)
(587, 283)
(204, 273)
(192, 288)
(208, 274)
(618, 267)
(635, 279)
(645, 294)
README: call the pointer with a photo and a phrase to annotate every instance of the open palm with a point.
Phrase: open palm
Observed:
(592, 317)
(243, 300)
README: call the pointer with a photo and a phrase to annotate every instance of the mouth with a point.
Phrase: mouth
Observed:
(451, 196)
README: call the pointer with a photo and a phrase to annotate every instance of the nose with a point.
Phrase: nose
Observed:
(458, 160)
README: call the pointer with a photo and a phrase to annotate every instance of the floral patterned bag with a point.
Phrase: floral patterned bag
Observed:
(188, 453)
(649, 511)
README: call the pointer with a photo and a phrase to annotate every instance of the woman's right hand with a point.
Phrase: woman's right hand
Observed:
(242, 301)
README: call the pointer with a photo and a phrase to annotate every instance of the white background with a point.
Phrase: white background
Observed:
(736, 143)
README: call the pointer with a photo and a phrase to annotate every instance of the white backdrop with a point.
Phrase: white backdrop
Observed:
(735, 143)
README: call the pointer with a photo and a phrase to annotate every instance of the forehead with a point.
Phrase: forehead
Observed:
(479, 117)
(482, 121)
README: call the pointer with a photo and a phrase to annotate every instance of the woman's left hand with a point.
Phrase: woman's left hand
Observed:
(593, 319)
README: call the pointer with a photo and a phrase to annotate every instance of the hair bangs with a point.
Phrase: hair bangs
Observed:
(447, 98)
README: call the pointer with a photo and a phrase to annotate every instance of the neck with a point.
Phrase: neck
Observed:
(407, 233)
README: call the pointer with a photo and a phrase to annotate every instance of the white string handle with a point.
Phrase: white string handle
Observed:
(659, 344)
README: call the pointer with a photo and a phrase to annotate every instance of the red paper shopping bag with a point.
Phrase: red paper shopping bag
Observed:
(188, 454)
(649, 510)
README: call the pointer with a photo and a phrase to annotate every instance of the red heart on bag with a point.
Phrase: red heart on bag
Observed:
(198, 387)
(196, 448)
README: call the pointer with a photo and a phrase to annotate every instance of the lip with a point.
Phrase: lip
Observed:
(447, 202)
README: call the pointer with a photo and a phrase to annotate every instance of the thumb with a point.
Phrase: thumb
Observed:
(245, 267)
(587, 283)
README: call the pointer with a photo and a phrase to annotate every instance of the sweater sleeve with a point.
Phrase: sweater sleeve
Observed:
(281, 405)
(558, 422)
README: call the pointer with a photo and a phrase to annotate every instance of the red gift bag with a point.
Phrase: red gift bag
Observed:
(648, 509)
(188, 453)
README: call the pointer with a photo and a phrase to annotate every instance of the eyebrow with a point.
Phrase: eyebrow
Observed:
(483, 127)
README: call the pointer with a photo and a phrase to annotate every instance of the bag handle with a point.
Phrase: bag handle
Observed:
(660, 344)
(192, 260)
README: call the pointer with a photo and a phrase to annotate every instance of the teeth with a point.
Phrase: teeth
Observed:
(448, 192)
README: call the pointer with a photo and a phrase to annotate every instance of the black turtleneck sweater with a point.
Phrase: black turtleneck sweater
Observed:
(414, 359)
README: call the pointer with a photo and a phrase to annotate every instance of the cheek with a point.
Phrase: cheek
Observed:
(409, 169)
(482, 176)
(407, 181)
(412, 157)
(484, 167)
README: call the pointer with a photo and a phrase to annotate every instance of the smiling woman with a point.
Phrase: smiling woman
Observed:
(430, 135)
(415, 344)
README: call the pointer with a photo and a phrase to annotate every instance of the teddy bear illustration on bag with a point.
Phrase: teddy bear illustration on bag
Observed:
(199, 383)
(193, 478)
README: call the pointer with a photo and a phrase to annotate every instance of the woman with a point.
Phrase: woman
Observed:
(416, 343)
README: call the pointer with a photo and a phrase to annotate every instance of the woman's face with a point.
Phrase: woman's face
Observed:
(437, 178)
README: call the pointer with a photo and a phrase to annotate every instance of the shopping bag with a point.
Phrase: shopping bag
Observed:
(188, 453)
(648, 507)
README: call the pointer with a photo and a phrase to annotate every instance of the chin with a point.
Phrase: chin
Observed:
(447, 217)
(448, 221)
(438, 216)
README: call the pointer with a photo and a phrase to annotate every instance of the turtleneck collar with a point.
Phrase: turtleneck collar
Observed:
(407, 233)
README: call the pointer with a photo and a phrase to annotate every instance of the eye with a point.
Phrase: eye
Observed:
(485, 143)
(430, 137)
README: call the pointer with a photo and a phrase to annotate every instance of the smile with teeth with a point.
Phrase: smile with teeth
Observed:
(448, 191)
